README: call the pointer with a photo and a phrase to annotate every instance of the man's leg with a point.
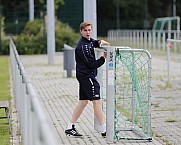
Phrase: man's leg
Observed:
(99, 115)
(78, 110)
(98, 111)
(70, 130)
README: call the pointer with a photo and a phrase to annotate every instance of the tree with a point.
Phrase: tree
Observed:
(40, 6)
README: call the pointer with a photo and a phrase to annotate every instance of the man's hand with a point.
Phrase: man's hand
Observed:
(105, 55)
(104, 43)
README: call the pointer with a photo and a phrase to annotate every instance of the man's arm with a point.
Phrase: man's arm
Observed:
(85, 54)
(103, 43)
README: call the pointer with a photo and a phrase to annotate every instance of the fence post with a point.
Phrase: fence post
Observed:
(138, 38)
(168, 60)
(163, 40)
(154, 39)
(145, 39)
(149, 40)
(158, 40)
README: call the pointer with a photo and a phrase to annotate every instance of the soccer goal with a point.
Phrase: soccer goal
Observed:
(126, 91)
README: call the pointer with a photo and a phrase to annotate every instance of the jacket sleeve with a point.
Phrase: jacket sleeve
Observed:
(88, 58)
(96, 43)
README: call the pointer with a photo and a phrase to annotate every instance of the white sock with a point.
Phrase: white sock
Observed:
(70, 125)
(103, 128)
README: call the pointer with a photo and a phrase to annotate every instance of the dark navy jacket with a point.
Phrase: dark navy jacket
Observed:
(86, 63)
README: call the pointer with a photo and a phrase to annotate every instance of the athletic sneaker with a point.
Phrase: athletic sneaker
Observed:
(103, 134)
(72, 131)
(103, 130)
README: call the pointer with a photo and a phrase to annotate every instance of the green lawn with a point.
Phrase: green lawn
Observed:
(4, 95)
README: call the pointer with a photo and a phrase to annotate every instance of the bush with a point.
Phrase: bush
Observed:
(4, 44)
(4, 47)
(64, 34)
(33, 27)
(33, 40)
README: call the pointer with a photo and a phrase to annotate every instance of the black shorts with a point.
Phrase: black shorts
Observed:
(89, 89)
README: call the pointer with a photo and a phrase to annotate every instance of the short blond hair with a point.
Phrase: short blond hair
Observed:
(85, 24)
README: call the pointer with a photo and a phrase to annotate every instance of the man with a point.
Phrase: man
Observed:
(86, 72)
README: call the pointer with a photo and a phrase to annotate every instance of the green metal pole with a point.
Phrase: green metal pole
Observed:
(146, 15)
(117, 14)
(174, 8)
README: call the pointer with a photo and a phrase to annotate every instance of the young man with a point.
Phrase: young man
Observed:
(86, 72)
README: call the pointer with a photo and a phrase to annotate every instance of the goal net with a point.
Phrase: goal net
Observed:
(126, 91)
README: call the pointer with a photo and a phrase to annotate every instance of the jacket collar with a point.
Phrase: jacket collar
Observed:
(86, 39)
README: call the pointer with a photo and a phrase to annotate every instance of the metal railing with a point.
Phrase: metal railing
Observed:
(147, 39)
(34, 127)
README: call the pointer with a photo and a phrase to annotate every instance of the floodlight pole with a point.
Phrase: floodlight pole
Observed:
(90, 14)
(174, 8)
(31, 10)
(50, 31)
(146, 15)
(117, 14)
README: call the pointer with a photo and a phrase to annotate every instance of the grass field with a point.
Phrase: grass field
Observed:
(4, 95)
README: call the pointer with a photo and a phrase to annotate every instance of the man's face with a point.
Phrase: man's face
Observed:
(86, 32)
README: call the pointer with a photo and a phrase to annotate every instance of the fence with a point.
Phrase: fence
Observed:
(33, 124)
(125, 82)
(148, 39)
(175, 43)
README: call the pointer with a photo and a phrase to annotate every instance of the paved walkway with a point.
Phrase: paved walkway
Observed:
(59, 96)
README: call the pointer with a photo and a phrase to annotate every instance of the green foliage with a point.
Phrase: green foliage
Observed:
(33, 40)
(171, 120)
(2, 26)
(64, 34)
(4, 95)
(41, 5)
(30, 44)
(4, 78)
(33, 27)
(57, 4)
(4, 47)
(4, 135)
(4, 44)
